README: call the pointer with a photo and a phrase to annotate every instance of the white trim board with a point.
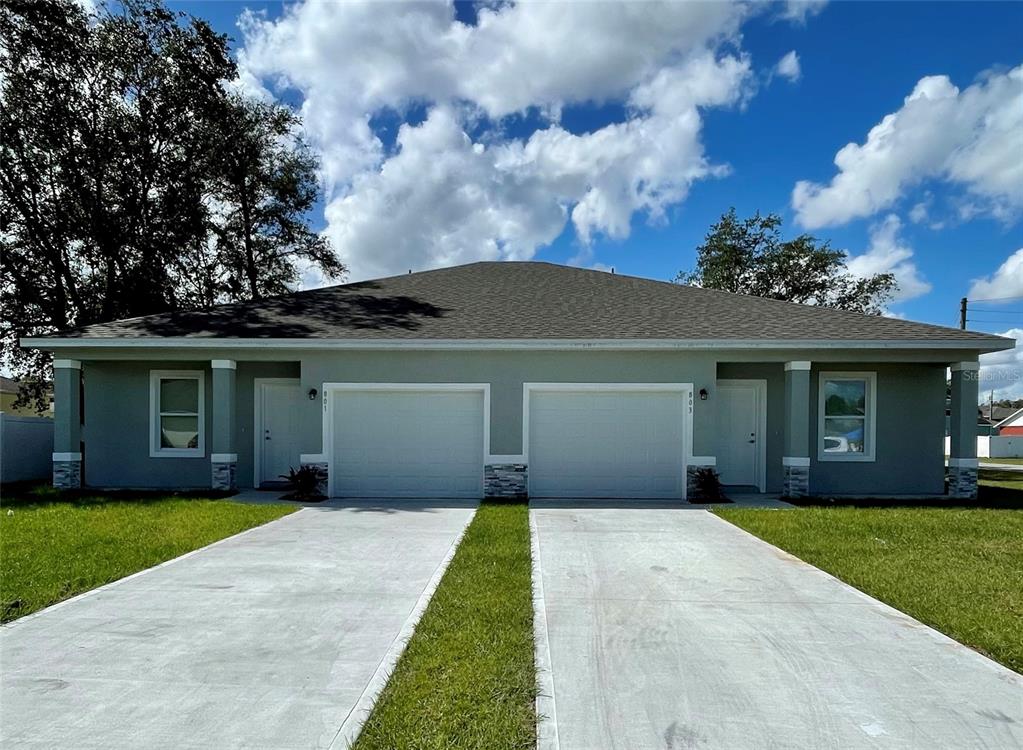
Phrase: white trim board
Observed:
(760, 388)
(257, 422)
(685, 389)
(182, 342)
(155, 451)
(869, 454)
(328, 413)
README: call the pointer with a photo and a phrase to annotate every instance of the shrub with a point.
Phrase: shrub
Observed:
(306, 483)
(708, 486)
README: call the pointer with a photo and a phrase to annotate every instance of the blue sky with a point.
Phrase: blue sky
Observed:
(546, 167)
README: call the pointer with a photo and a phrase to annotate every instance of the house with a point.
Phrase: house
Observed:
(1011, 424)
(517, 378)
(9, 389)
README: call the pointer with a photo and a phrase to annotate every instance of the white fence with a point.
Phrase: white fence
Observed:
(26, 448)
(995, 446)
(1006, 446)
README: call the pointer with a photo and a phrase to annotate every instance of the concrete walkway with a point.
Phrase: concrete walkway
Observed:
(279, 637)
(985, 464)
(674, 629)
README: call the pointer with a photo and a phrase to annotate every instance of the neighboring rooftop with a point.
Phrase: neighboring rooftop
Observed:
(527, 300)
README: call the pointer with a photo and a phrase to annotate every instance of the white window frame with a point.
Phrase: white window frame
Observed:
(155, 449)
(869, 412)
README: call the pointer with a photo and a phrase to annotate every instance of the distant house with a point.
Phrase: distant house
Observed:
(1012, 424)
(8, 395)
(985, 426)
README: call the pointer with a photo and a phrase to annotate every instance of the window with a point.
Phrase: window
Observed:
(177, 417)
(845, 416)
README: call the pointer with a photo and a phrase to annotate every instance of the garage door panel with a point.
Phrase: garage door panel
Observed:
(418, 443)
(606, 444)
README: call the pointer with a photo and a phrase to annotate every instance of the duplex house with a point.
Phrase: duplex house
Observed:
(518, 378)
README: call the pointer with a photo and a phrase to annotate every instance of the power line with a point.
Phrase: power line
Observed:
(996, 299)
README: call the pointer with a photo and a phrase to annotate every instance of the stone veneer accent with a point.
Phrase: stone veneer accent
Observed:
(962, 482)
(691, 492)
(505, 480)
(224, 475)
(324, 467)
(795, 481)
(67, 475)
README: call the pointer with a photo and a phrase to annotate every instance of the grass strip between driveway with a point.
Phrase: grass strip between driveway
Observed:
(956, 569)
(53, 547)
(467, 678)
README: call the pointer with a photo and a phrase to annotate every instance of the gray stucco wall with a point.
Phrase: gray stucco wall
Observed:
(910, 409)
(910, 435)
(506, 371)
(116, 429)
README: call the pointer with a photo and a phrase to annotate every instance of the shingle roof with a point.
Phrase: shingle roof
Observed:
(527, 300)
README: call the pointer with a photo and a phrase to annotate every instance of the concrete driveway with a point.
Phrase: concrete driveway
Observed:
(276, 638)
(673, 629)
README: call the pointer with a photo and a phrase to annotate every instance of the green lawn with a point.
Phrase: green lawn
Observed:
(1000, 488)
(467, 678)
(956, 569)
(1013, 461)
(53, 547)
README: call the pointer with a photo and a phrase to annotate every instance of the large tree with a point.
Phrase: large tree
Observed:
(748, 256)
(263, 185)
(124, 161)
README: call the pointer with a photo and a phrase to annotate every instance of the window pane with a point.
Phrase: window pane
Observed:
(843, 435)
(179, 395)
(179, 432)
(845, 398)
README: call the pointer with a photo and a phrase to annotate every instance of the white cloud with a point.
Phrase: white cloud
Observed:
(1007, 281)
(443, 199)
(971, 138)
(798, 11)
(1003, 371)
(788, 67)
(438, 196)
(888, 254)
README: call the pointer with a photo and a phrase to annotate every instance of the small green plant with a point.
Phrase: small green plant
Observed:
(306, 483)
(708, 486)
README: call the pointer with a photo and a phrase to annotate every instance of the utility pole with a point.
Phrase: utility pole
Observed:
(962, 313)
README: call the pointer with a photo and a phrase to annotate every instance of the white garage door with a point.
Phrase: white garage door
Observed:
(606, 444)
(401, 443)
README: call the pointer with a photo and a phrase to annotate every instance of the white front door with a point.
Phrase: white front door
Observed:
(607, 443)
(278, 429)
(740, 443)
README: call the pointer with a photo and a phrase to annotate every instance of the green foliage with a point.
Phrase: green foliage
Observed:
(748, 256)
(708, 486)
(132, 181)
(467, 678)
(54, 548)
(306, 482)
(955, 569)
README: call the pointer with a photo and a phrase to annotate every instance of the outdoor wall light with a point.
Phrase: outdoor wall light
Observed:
(703, 394)
(312, 394)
